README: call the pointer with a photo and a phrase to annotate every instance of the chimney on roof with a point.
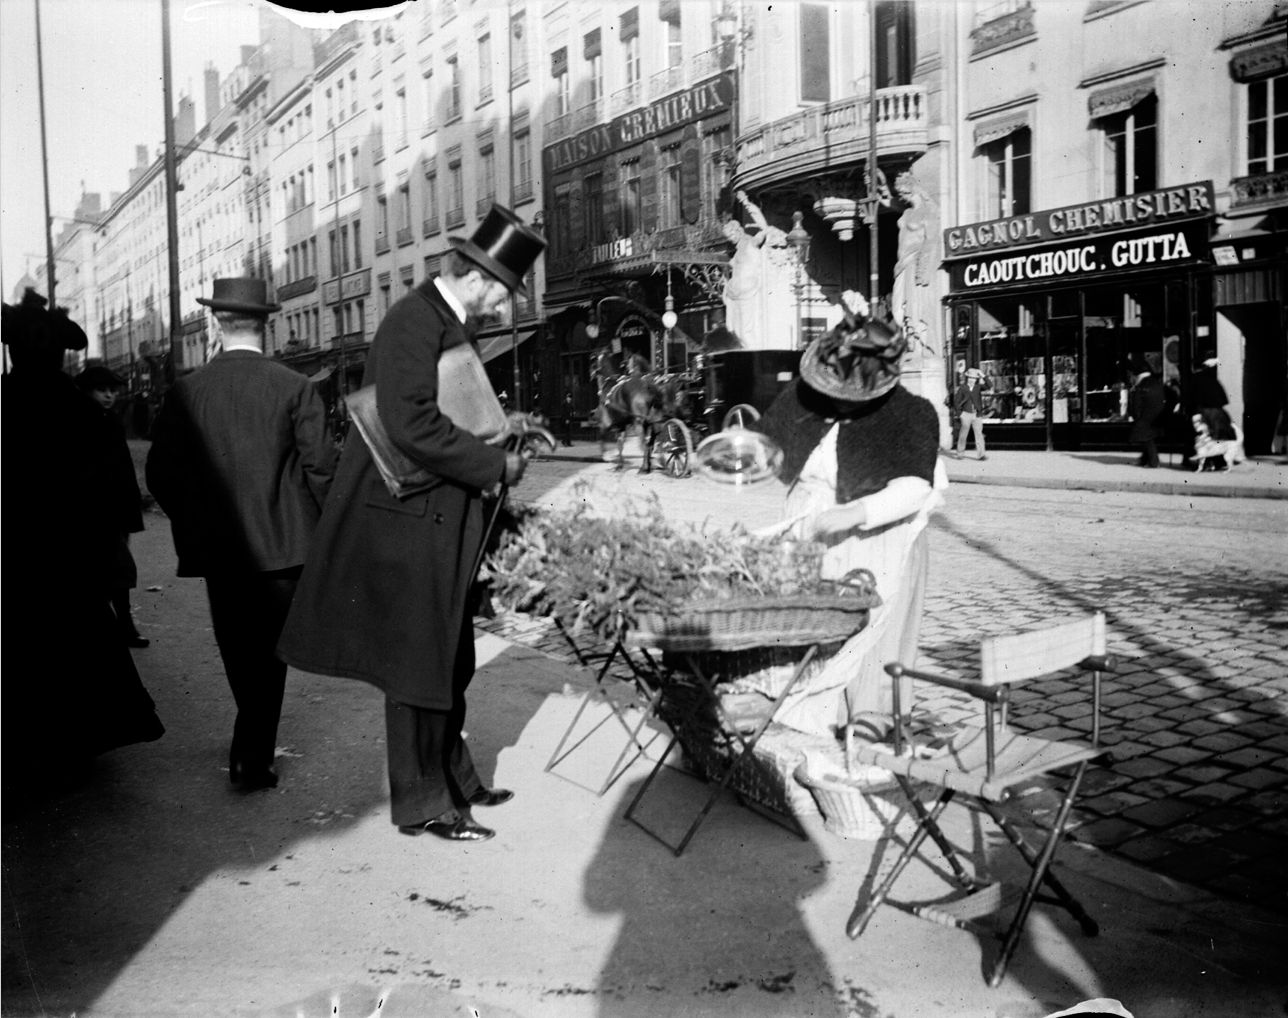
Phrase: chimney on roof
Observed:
(185, 121)
(211, 81)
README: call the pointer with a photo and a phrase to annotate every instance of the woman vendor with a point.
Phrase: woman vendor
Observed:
(861, 461)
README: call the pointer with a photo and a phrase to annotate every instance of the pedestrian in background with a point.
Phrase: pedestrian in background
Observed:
(1208, 398)
(1148, 406)
(71, 690)
(385, 596)
(968, 401)
(241, 462)
(119, 500)
(569, 413)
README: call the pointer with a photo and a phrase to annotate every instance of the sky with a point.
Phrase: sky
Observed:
(103, 96)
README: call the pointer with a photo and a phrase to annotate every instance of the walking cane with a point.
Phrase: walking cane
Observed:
(521, 432)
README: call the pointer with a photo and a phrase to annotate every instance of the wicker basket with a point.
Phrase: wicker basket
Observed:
(749, 622)
(852, 804)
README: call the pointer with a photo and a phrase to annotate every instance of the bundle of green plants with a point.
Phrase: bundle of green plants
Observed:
(592, 572)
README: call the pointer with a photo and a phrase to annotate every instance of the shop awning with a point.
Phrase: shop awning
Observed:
(492, 347)
(988, 131)
(1119, 98)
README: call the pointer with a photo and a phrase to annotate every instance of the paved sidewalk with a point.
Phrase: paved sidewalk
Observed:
(1260, 477)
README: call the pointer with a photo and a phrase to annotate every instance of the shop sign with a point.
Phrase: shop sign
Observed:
(631, 327)
(356, 284)
(1168, 205)
(1158, 249)
(666, 114)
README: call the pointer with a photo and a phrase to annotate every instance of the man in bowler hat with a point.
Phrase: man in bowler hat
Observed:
(241, 462)
(385, 593)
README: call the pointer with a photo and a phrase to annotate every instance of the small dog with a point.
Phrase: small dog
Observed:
(1206, 447)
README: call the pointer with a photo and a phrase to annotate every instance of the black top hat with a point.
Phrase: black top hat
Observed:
(504, 246)
(240, 293)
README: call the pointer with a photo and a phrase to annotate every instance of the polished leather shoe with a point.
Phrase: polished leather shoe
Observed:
(490, 797)
(450, 827)
(248, 780)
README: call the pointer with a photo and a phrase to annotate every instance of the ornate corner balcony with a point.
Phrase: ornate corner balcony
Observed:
(1260, 190)
(824, 138)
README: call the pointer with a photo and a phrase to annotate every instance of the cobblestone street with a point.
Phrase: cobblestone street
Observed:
(1196, 711)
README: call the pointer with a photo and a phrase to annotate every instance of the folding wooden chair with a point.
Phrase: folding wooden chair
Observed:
(984, 764)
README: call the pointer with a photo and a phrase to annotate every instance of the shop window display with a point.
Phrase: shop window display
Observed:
(1122, 326)
(1011, 357)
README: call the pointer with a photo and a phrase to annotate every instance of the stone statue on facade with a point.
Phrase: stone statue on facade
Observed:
(758, 294)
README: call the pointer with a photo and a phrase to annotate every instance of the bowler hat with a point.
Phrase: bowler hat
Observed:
(855, 362)
(974, 373)
(504, 246)
(240, 293)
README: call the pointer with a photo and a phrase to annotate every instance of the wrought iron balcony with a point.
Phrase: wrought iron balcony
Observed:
(382, 243)
(483, 204)
(559, 127)
(455, 217)
(403, 235)
(825, 138)
(1002, 25)
(626, 98)
(523, 190)
(429, 227)
(666, 81)
(588, 115)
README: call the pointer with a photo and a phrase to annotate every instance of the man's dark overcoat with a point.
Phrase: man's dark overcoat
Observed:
(383, 595)
(1148, 403)
(241, 460)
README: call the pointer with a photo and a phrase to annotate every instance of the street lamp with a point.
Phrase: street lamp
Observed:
(798, 238)
(669, 320)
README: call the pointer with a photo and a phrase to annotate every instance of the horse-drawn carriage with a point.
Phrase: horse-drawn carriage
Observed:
(670, 413)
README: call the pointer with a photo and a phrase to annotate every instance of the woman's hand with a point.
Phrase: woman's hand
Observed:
(838, 519)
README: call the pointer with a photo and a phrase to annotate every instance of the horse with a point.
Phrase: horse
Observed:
(638, 402)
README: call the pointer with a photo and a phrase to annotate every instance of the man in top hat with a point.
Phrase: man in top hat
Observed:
(968, 401)
(384, 595)
(241, 462)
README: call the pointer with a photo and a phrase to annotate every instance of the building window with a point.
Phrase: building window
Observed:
(455, 193)
(594, 196)
(816, 76)
(357, 244)
(330, 181)
(487, 177)
(559, 71)
(669, 187)
(669, 13)
(896, 43)
(631, 54)
(629, 32)
(430, 98)
(522, 165)
(519, 47)
(344, 248)
(1006, 166)
(1268, 125)
(431, 202)
(485, 68)
(382, 223)
(400, 112)
(344, 184)
(593, 52)
(714, 145)
(353, 91)
(562, 238)
(1129, 150)
(353, 163)
(403, 212)
(453, 88)
(631, 211)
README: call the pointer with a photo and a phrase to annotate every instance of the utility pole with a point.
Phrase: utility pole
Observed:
(44, 163)
(509, 91)
(334, 251)
(171, 193)
(873, 196)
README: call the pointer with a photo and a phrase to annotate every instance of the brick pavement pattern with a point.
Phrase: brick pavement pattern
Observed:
(1196, 712)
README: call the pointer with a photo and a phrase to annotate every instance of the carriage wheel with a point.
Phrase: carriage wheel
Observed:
(676, 447)
(740, 416)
